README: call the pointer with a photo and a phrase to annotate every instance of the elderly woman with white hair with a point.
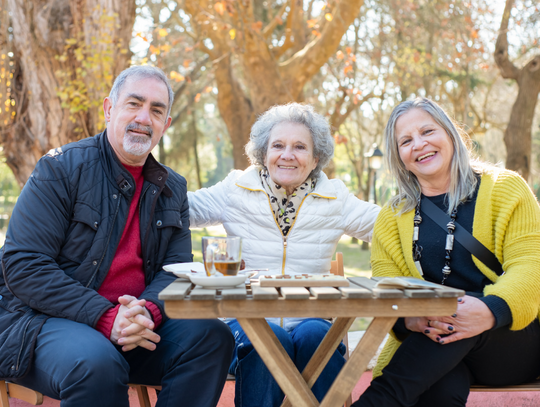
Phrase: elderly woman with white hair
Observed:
(449, 207)
(290, 217)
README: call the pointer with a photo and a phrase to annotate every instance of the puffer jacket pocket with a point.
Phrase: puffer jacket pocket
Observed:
(82, 231)
(17, 343)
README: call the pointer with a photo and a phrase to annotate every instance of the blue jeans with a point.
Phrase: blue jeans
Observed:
(78, 365)
(255, 386)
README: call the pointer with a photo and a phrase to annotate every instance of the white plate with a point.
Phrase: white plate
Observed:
(214, 283)
(185, 269)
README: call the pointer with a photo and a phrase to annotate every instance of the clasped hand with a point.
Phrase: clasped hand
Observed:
(133, 325)
(471, 318)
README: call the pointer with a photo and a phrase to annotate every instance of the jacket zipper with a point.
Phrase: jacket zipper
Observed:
(107, 244)
(279, 228)
(22, 342)
(281, 324)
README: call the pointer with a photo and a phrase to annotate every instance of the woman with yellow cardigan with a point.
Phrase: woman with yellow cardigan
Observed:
(494, 336)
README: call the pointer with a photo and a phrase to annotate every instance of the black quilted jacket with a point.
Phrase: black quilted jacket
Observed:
(63, 235)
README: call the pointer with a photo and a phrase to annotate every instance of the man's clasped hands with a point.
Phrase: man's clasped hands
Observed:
(133, 325)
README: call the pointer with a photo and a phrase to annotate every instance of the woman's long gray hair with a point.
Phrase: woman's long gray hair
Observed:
(323, 142)
(463, 180)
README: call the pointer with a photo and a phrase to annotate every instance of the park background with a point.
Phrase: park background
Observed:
(231, 60)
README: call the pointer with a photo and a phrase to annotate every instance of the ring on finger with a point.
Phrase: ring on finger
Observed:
(429, 323)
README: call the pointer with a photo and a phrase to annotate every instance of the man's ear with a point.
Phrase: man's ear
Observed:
(107, 106)
(167, 125)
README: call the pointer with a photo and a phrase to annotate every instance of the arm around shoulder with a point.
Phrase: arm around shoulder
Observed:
(206, 205)
(359, 217)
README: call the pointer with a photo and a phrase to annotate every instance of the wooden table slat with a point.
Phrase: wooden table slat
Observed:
(294, 293)
(177, 290)
(420, 293)
(377, 292)
(264, 293)
(355, 292)
(326, 293)
(449, 292)
(239, 293)
(199, 293)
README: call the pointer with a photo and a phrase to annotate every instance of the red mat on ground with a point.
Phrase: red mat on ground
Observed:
(521, 399)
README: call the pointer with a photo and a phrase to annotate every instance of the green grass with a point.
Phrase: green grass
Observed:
(355, 261)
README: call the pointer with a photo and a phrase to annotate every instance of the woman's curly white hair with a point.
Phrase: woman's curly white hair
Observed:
(323, 142)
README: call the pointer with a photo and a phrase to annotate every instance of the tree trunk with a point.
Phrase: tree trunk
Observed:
(40, 30)
(517, 136)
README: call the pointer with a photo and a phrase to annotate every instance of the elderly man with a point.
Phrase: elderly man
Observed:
(82, 267)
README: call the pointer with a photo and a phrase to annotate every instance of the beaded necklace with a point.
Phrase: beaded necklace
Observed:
(417, 249)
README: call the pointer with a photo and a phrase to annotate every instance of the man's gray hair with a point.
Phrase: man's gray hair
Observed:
(323, 142)
(140, 72)
(463, 168)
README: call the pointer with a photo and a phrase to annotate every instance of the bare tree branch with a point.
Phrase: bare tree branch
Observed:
(304, 64)
(267, 31)
(506, 67)
(288, 43)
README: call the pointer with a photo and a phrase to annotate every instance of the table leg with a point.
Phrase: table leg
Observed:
(353, 369)
(324, 352)
(278, 362)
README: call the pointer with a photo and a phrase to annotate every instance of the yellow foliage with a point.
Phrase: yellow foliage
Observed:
(329, 17)
(86, 75)
(232, 33)
(219, 7)
(176, 76)
(163, 32)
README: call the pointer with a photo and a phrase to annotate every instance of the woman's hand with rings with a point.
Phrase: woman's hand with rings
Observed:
(471, 319)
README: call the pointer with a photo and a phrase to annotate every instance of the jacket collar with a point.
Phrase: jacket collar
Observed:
(153, 171)
(250, 180)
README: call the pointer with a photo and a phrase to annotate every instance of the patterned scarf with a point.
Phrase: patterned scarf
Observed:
(285, 207)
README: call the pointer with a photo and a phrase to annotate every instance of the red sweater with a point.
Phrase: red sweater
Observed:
(126, 275)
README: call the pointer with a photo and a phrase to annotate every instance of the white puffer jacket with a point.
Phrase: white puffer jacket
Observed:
(240, 203)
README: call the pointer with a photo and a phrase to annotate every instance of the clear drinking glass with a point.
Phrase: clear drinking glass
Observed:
(222, 255)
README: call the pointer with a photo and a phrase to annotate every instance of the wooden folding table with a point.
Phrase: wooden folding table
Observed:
(253, 303)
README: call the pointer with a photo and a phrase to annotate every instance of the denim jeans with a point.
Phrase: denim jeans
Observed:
(78, 365)
(255, 386)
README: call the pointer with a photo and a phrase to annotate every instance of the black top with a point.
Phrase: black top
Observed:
(465, 275)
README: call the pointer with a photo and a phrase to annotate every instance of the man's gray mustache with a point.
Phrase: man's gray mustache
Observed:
(138, 127)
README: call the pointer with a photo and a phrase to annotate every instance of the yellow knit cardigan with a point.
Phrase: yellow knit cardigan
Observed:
(506, 221)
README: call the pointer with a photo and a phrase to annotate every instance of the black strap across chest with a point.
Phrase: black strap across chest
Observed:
(467, 240)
